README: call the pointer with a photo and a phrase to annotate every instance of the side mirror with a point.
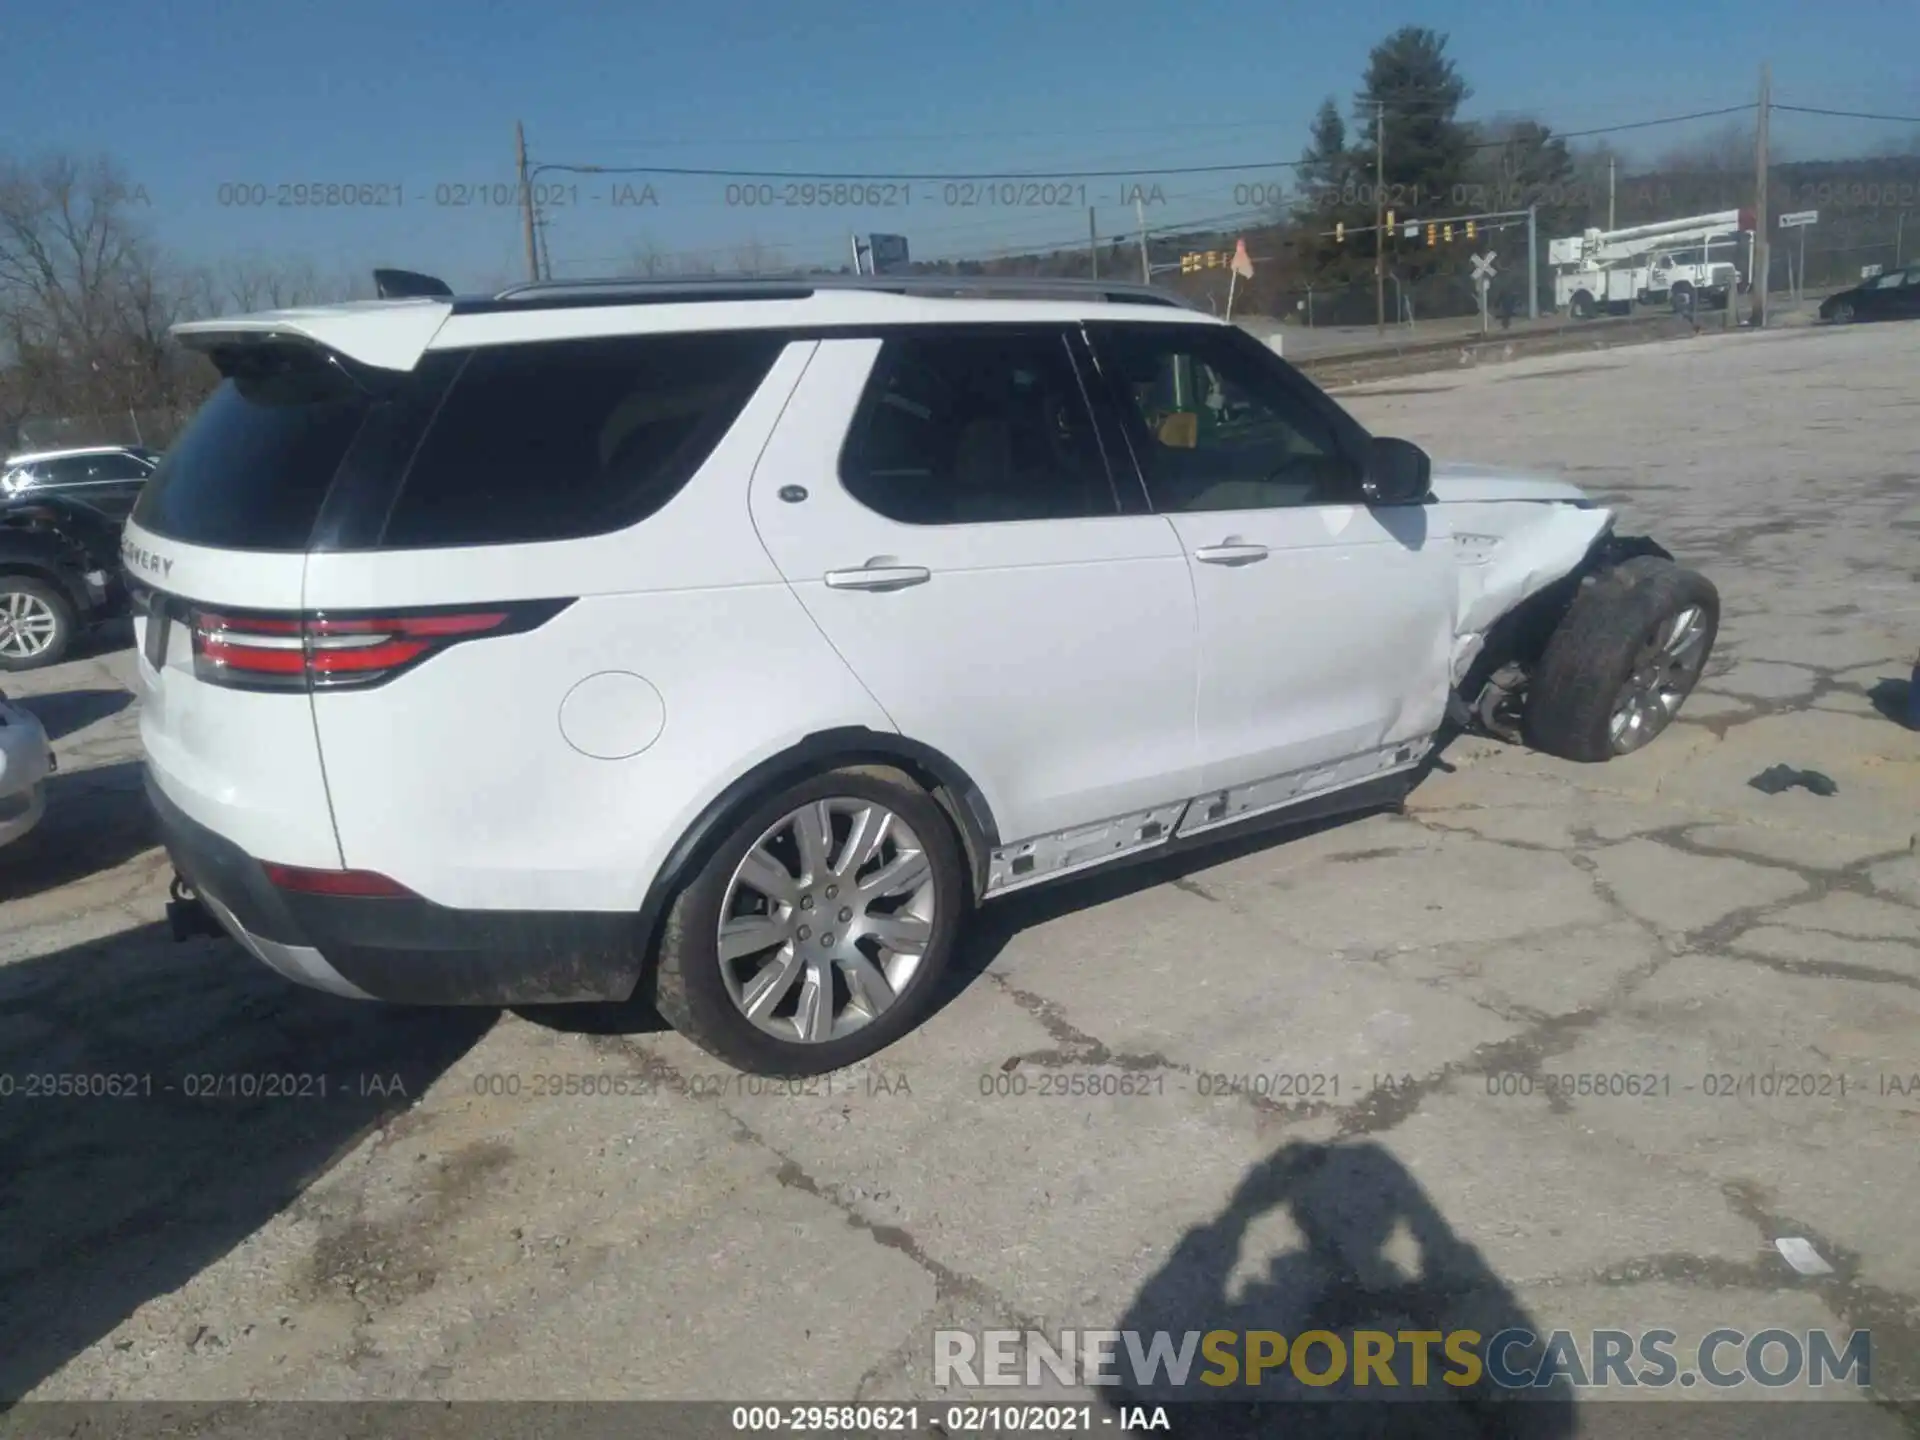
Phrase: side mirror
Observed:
(1398, 473)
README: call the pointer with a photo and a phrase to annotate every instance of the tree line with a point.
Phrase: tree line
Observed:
(87, 298)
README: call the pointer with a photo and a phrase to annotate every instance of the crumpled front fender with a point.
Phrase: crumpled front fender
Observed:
(1508, 551)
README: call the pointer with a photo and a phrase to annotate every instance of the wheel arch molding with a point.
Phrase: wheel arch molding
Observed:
(950, 786)
(67, 581)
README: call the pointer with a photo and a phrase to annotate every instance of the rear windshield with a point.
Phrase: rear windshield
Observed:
(251, 470)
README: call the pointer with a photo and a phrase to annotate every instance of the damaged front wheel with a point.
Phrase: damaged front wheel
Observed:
(1623, 660)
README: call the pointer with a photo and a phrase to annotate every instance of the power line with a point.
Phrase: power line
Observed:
(1064, 172)
(1057, 173)
(1635, 125)
(1850, 114)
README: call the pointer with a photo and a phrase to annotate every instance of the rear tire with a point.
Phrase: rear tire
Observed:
(867, 1005)
(37, 623)
(1580, 307)
(1622, 662)
(1681, 295)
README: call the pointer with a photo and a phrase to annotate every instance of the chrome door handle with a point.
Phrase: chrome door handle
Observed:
(879, 573)
(1232, 551)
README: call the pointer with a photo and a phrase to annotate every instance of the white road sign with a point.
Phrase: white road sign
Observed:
(1483, 265)
(1799, 217)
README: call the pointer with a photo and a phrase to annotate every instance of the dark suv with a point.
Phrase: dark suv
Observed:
(107, 477)
(59, 577)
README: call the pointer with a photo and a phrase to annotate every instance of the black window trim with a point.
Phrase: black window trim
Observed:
(1351, 439)
(748, 384)
(371, 384)
(366, 484)
(1066, 332)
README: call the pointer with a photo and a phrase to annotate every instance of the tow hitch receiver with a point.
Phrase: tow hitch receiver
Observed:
(187, 913)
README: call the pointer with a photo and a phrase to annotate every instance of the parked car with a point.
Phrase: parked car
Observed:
(26, 759)
(59, 577)
(1892, 295)
(107, 477)
(729, 642)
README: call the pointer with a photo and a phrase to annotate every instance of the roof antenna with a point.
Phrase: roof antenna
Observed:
(408, 284)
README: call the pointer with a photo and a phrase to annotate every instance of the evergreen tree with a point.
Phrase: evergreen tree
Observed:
(1427, 147)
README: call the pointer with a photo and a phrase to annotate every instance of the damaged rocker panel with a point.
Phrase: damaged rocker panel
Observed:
(1064, 852)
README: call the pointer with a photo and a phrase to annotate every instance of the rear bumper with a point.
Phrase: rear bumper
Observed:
(409, 951)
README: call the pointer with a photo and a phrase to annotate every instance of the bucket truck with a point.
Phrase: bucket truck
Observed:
(1670, 262)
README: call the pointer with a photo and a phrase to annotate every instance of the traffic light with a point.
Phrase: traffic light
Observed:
(1469, 229)
(1339, 232)
(1389, 221)
(1433, 234)
(1446, 233)
(1189, 263)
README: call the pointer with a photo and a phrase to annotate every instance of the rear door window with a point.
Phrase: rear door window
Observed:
(961, 428)
(564, 439)
(252, 468)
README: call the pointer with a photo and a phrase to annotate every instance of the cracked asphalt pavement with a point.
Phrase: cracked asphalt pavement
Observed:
(1385, 1005)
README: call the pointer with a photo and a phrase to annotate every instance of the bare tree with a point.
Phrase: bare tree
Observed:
(1727, 149)
(241, 285)
(755, 258)
(84, 303)
(649, 260)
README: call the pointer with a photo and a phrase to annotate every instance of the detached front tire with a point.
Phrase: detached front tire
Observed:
(816, 933)
(1622, 661)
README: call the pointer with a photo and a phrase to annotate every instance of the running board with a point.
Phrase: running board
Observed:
(1247, 802)
(1303, 795)
(1047, 857)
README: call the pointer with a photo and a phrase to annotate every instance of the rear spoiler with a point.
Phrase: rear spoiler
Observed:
(409, 285)
(388, 334)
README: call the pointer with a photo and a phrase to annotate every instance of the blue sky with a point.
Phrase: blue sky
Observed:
(416, 99)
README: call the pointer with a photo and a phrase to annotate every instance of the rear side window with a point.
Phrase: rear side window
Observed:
(251, 470)
(565, 439)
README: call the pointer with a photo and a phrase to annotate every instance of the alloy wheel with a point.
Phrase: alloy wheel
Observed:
(27, 625)
(826, 919)
(1663, 675)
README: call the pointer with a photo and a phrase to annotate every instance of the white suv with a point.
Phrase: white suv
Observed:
(726, 644)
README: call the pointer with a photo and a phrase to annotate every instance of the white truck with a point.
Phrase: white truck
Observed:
(1692, 260)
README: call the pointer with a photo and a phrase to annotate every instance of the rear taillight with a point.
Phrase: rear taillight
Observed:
(366, 884)
(255, 651)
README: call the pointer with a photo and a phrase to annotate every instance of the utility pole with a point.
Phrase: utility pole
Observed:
(1762, 251)
(1379, 217)
(1140, 213)
(1533, 260)
(1609, 192)
(1093, 243)
(526, 198)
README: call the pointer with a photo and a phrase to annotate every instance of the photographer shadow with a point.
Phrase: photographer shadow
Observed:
(1374, 1254)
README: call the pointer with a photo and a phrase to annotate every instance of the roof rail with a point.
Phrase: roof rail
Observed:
(1024, 287)
(615, 291)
